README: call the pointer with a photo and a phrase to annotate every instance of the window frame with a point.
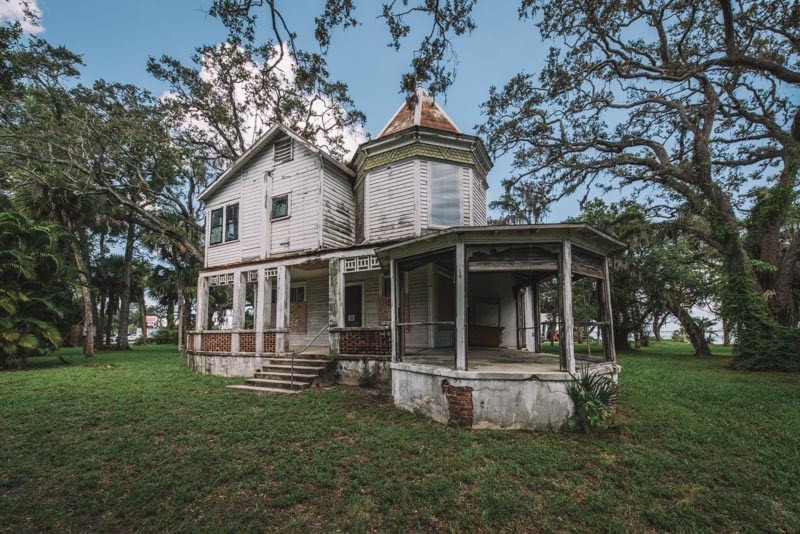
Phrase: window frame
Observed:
(458, 169)
(288, 196)
(363, 304)
(228, 222)
(221, 226)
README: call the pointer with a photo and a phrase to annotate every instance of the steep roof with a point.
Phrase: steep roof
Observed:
(264, 140)
(425, 112)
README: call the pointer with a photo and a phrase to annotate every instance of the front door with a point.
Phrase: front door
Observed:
(353, 305)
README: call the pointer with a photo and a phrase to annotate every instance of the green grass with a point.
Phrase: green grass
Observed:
(134, 441)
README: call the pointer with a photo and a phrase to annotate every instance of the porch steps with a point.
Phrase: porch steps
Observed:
(278, 375)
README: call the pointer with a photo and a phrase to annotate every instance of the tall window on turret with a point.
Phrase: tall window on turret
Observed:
(445, 195)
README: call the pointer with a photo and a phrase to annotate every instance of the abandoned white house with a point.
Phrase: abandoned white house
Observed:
(315, 271)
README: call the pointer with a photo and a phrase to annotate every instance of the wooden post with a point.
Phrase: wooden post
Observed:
(282, 309)
(565, 339)
(461, 307)
(335, 303)
(530, 319)
(395, 334)
(239, 288)
(609, 349)
(201, 310)
(258, 320)
(537, 317)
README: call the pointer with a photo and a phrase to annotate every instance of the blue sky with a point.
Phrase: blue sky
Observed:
(115, 39)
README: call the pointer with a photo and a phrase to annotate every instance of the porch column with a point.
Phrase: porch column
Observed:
(238, 309)
(201, 310)
(282, 309)
(609, 349)
(335, 303)
(537, 317)
(395, 335)
(461, 307)
(530, 323)
(565, 339)
(258, 313)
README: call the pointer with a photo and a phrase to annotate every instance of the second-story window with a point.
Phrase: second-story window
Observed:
(216, 227)
(224, 224)
(445, 195)
(231, 222)
(280, 207)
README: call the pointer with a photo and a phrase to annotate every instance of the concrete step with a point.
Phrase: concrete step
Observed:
(302, 361)
(297, 368)
(274, 383)
(282, 375)
(258, 389)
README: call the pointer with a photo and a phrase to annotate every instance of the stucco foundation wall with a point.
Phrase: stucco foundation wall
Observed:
(348, 368)
(499, 400)
(244, 365)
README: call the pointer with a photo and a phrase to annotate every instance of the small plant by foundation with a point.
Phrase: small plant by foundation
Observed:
(593, 396)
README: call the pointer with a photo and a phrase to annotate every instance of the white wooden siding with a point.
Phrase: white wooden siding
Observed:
(478, 201)
(338, 210)
(424, 194)
(231, 251)
(466, 206)
(299, 178)
(418, 296)
(390, 201)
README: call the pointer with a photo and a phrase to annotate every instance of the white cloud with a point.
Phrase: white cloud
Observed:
(22, 11)
(259, 120)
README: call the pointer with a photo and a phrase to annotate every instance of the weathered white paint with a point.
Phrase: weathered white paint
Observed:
(338, 209)
(530, 318)
(535, 401)
(389, 201)
(282, 307)
(566, 337)
(461, 307)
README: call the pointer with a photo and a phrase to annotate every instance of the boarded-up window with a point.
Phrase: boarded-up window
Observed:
(284, 150)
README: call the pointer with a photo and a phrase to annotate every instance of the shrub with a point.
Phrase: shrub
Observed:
(593, 396)
(165, 336)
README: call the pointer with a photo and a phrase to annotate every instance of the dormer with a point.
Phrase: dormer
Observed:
(420, 174)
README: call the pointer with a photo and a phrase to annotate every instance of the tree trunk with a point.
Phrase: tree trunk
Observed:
(645, 338)
(695, 334)
(109, 321)
(181, 309)
(143, 313)
(170, 314)
(86, 295)
(125, 297)
(726, 332)
(657, 326)
(101, 316)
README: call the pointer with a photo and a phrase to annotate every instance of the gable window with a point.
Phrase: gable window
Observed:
(231, 222)
(445, 204)
(284, 150)
(280, 207)
(216, 227)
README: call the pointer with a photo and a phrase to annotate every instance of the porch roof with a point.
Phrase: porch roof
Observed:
(582, 234)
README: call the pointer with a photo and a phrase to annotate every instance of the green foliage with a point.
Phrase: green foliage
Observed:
(593, 396)
(31, 288)
(164, 336)
(761, 343)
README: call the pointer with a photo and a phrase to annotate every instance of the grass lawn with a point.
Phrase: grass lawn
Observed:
(134, 441)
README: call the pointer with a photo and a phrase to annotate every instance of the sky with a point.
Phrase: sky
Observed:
(115, 39)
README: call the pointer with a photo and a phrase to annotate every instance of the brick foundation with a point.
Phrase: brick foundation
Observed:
(459, 403)
(247, 342)
(215, 342)
(269, 342)
(365, 342)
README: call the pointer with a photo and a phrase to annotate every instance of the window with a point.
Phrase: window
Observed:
(283, 150)
(231, 222)
(296, 294)
(387, 286)
(280, 207)
(216, 227)
(445, 194)
(353, 305)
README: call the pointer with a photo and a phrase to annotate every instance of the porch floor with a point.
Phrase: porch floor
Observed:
(491, 359)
